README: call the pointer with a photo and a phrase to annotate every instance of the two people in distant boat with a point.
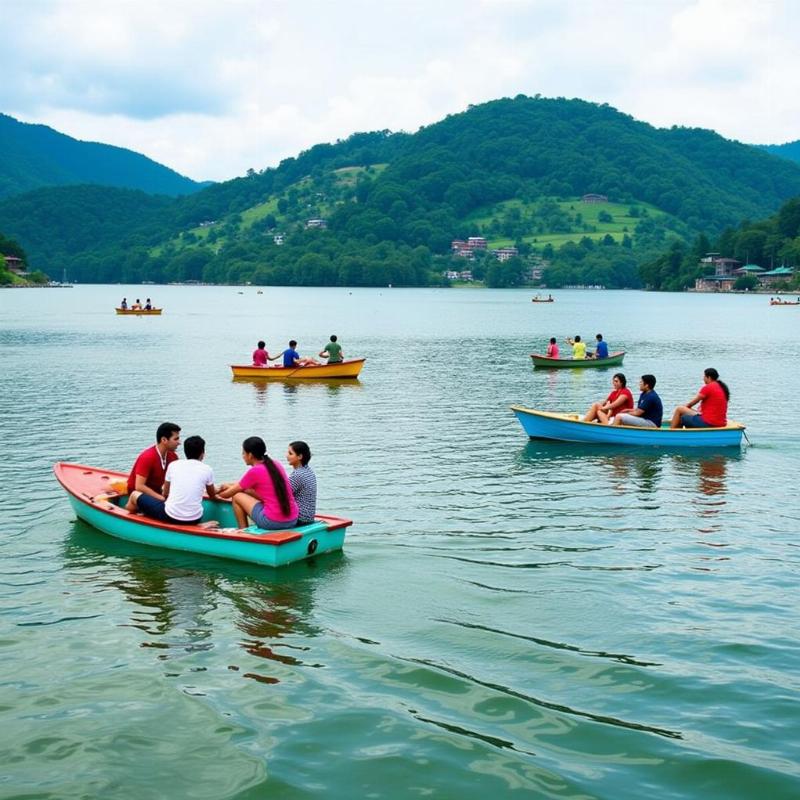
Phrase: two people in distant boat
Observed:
(579, 352)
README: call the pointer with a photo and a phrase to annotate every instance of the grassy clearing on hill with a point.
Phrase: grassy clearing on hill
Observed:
(555, 222)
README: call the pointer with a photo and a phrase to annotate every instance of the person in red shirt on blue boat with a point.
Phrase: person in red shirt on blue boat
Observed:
(619, 401)
(150, 468)
(713, 397)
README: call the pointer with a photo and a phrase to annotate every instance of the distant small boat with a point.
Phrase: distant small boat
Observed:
(784, 302)
(572, 428)
(613, 360)
(98, 497)
(343, 369)
(140, 312)
(543, 300)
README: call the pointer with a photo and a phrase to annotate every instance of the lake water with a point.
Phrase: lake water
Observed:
(508, 618)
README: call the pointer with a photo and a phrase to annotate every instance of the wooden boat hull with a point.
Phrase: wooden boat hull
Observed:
(139, 312)
(783, 303)
(534, 300)
(344, 369)
(571, 428)
(97, 503)
(614, 360)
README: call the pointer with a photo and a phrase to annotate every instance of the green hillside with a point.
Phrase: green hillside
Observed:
(790, 150)
(512, 171)
(34, 156)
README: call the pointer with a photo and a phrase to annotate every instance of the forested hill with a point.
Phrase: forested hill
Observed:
(32, 156)
(790, 150)
(511, 170)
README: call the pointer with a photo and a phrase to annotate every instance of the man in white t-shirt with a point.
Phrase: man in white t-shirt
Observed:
(186, 483)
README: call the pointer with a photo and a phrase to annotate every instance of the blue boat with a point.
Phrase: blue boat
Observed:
(571, 428)
(98, 497)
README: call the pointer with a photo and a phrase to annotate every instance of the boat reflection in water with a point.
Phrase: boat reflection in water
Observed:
(173, 599)
(620, 469)
(329, 387)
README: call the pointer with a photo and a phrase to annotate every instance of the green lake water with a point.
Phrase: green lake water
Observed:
(508, 618)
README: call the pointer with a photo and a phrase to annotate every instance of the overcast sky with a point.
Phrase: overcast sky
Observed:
(213, 87)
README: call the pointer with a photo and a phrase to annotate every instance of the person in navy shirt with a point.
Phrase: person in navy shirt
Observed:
(602, 348)
(649, 410)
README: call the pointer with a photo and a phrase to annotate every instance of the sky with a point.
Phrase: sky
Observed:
(212, 88)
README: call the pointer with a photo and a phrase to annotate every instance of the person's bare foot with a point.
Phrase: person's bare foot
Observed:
(210, 525)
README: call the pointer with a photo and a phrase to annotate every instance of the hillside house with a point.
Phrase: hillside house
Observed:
(317, 223)
(591, 197)
(505, 253)
(14, 264)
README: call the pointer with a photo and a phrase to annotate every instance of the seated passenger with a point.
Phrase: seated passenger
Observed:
(713, 397)
(601, 351)
(137, 306)
(332, 351)
(185, 485)
(291, 358)
(263, 493)
(303, 482)
(124, 304)
(649, 410)
(619, 401)
(260, 355)
(149, 470)
(578, 348)
(552, 348)
(148, 305)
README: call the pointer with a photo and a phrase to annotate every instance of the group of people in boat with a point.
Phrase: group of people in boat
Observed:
(163, 487)
(332, 351)
(579, 351)
(618, 408)
(137, 306)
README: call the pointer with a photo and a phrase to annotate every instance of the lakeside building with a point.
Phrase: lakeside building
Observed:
(728, 270)
(14, 264)
(456, 275)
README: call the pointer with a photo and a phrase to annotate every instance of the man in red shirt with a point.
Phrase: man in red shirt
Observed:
(150, 468)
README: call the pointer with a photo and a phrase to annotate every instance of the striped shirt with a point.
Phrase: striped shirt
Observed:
(304, 489)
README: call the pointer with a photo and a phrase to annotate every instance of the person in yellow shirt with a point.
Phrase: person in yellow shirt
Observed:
(578, 348)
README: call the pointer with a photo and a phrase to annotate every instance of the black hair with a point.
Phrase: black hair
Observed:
(333, 337)
(552, 340)
(714, 375)
(599, 337)
(166, 429)
(194, 447)
(650, 380)
(577, 338)
(262, 345)
(302, 450)
(622, 379)
(292, 343)
(258, 449)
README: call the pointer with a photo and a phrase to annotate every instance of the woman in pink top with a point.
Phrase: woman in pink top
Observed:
(263, 493)
(552, 348)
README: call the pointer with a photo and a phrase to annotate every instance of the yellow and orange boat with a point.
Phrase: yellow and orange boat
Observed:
(139, 312)
(343, 369)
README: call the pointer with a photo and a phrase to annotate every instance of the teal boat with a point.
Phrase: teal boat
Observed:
(613, 360)
(99, 496)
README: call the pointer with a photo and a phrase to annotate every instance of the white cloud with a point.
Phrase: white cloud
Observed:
(212, 88)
